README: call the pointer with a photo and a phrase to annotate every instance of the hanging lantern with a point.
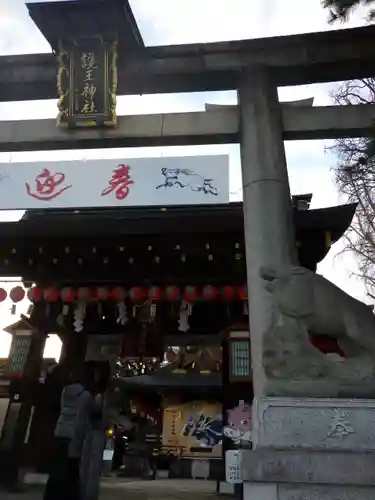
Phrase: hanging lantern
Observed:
(242, 292)
(101, 293)
(118, 294)
(209, 293)
(172, 293)
(17, 294)
(67, 294)
(190, 293)
(83, 293)
(51, 294)
(3, 294)
(35, 294)
(154, 293)
(228, 293)
(136, 293)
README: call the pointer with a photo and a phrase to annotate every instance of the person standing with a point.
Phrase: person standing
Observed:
(92, 453)
(70, 432)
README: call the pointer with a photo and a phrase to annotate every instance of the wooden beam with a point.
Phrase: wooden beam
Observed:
(294, 60)
(220, 126)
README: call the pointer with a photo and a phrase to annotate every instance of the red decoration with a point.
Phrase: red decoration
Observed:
(3, 294)
(84, 293)
(51, 294)
(48, 185)
(228, 293)
(209, 293)
(242, 292)
(154, 293)
(118, 294)
(101, 293)
(17, 294)
(172, 293)
(120, 182)
(136, 293)
(35, 294)
(67, 294)
(190, 293)
(326, 344)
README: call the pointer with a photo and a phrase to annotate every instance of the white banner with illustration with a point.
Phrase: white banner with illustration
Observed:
(162, 181)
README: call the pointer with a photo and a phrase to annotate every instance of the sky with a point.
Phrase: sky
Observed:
(164, 22)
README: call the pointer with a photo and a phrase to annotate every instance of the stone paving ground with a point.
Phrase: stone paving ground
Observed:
(115, 489)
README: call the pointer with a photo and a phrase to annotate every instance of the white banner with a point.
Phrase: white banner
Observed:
(123, 182)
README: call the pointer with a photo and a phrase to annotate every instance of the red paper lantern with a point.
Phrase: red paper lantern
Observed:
(84, 293)
(209, 293)
(51, 294)
(136, 293)
(35, 294)
(242, 292)
(190, 293)
(101, 293)
(3, 294)
(228, 293)
(118, 294)
(67, 294)
(154, 293)
(172, 293)
(17, 294)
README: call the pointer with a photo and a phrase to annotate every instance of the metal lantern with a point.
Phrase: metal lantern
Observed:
(154, 293)
(35, 294)
(17, 294)
(3, 294)
(172, 293)
(51, 294)
(190, 293)
(118, 294)
(67, 294)
(209, 293)
(228, 293)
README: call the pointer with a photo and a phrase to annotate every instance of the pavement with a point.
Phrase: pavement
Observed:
(127, 489)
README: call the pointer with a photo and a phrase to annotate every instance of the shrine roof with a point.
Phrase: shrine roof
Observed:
(72, 18)
(20, 325)
(161, 220)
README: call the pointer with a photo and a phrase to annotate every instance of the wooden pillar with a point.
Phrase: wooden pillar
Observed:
(73, 348)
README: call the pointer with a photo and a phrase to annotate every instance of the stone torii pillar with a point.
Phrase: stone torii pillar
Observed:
(313, 431)
(269, 229)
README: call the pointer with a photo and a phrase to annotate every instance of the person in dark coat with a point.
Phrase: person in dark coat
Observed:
(70, 432)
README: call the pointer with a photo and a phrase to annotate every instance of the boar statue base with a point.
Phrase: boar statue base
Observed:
(305, 302)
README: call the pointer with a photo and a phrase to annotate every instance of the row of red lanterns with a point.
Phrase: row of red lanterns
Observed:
(118, 294)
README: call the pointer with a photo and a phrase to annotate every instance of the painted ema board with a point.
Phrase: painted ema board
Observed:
(190, 180)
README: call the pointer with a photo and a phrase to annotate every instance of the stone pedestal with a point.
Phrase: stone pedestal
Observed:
(311, 449)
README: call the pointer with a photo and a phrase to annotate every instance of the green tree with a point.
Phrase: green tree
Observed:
(340, 10)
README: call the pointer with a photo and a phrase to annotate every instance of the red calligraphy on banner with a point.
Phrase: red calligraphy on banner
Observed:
(119, 182)
(47, 185)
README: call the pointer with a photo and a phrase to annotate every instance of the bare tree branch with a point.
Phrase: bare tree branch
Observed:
(355, 178)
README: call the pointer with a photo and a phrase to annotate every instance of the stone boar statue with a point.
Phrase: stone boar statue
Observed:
(324, 308)
(305, 302)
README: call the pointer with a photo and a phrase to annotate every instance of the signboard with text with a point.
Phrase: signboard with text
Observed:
(119, 182)
(87, 83)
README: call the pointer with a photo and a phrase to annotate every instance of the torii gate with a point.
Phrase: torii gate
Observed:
(255, 68)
